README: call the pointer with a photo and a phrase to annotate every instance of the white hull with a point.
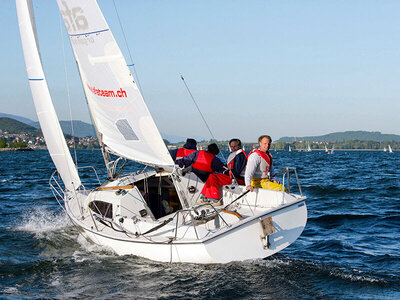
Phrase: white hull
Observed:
(213, 243)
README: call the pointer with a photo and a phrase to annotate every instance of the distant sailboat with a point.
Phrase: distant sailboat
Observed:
(333, 148)
(308, 148)
(326, 149)
(384, 149)
(290, 149)
(390, 149)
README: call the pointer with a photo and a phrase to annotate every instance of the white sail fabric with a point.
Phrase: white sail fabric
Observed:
(121, 117)
(48, 120)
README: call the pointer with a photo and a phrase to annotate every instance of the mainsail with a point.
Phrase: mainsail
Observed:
(122, 120)
(48, 120)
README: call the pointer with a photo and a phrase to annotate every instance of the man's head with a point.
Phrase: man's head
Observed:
(190, 144)
(213, 149)
(235, 145)
(265, 142)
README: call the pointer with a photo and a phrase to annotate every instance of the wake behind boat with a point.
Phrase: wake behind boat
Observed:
(157, 213)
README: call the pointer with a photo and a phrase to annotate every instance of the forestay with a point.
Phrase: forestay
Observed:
(48, 120)
(122, 119)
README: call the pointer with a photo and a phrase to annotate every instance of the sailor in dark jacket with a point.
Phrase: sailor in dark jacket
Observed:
(237, 161)
(203, 162)
(189, 147)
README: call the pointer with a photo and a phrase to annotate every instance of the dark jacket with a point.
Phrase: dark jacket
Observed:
(187, 145)
(238, 166)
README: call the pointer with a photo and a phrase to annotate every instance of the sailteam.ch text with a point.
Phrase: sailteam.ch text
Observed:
(108, 93)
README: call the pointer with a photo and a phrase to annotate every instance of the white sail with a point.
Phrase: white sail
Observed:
(48, 120)
(121, 117)
(390, 149)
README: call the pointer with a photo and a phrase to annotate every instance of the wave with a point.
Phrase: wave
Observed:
(325, 269)
(341, 217)
(356, 276)
(392, 218)
(90, 251)
(336, 190)
(41, 220)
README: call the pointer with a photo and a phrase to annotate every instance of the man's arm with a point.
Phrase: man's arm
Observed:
(187, 160)
(252, 164)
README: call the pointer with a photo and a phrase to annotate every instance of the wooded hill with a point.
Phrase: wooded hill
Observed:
(375, 136)
(15, 127)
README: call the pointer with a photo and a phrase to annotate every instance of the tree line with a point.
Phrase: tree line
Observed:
(351, 145)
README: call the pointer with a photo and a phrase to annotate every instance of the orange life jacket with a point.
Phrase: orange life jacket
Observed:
(182, 152)
(267, 157)
(203, 161)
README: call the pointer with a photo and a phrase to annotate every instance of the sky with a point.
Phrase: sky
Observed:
(283, 68)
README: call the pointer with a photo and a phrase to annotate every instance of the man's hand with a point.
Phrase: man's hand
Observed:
(276, 181)
(249, 188)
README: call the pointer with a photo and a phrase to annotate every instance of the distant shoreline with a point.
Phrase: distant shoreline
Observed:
(9, 149)
(17, 149)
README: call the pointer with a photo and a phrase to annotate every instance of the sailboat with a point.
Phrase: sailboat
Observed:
(308, 148)
(155, 213)
(326, 149)
(333, 148)
(290, 149)
(390, 149)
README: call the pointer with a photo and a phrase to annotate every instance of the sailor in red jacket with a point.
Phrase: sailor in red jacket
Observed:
(237, 161)
(189, 147)
(203, 162)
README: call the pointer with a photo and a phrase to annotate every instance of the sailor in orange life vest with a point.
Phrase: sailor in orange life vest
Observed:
(259, 168)
(237, 161)
(189, 147)
(203, 162)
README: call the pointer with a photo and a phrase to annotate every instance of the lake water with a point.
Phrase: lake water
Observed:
(350, 248)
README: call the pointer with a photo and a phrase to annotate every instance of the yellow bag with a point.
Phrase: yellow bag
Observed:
(266, 184)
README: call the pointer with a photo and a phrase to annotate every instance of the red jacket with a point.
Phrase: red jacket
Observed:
(266, 156)
(204, 161)
(182, 152)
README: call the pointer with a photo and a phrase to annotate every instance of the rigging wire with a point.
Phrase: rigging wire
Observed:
(131, 64)
(68, 91)
(201, 114)
(70, 112)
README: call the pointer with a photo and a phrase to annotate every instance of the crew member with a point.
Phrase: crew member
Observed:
(237, 161)
(203, 162)
(189, 147)
(259, 170)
